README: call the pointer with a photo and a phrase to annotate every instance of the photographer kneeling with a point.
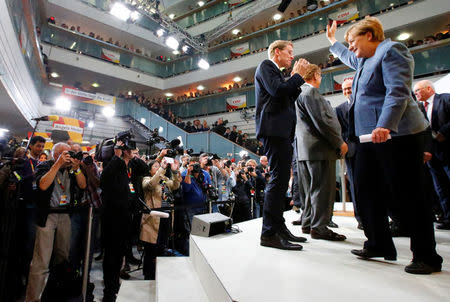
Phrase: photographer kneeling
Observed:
(154, 230)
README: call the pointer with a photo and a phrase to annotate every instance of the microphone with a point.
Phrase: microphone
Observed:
(46, 118)
(159, 214)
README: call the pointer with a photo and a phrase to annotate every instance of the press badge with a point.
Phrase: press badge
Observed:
(131, 188)
(63, 201)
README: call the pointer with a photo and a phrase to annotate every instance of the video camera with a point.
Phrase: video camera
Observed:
(211, 158)
(105, 150)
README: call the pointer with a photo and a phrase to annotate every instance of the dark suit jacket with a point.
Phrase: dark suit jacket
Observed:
(440, 122)
(342, 112)
(275, 97)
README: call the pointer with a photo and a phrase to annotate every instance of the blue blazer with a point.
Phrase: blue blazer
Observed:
(275, 98)
(382, 90)
(440, 122)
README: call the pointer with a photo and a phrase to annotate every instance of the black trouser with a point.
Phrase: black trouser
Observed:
(116, 231)
(350, 163)
(151, 250)
(390, 176)
(241, 211)
(279, 153)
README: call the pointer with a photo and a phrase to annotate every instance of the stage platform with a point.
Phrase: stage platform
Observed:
(234, 267)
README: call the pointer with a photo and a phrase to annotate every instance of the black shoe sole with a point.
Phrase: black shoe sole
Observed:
(295, 247)
(365, 257)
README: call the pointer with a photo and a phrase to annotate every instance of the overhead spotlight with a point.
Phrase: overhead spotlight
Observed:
(168, 94)
(108, 111)
(276, 17)
(54, 75)
(90, 124)
(172, 43)
(235, 31)
(160, 32)
(96, 85)
(311, 5)
(283, 5)
(171, 16)
(134, 16)
(403, 36)
(203, 64)
(237, 79)
(200, 3)
(62, 104)
(130, 92)
(120, 11)
(176, 52)
(143, 120)
(200, 87)
(185, 48)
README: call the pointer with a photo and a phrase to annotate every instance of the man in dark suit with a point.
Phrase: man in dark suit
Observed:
(437, 109)
(275, 126)
(342, 115)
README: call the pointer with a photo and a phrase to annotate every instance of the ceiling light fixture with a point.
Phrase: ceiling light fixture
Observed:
(169, 94)
(203, 64)
(108, 111)
(54, 75)
(176, 52)
(201, 87)
(235, 31)
(134, 16)
(403, 36)
(96, 85)
(185, 48)
(120, 11)
(276, 17)
(160, 32)
(172, 43)
(200, 3)
(130, 92)
(90, 124)
(171, 16)
(62, 104)
(237, 79)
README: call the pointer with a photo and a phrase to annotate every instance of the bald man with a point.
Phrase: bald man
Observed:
(437, 110)
(342, 114)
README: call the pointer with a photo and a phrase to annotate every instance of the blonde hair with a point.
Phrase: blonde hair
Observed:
(251, 161)
(368, 24)
(310, 72)
(278, 44)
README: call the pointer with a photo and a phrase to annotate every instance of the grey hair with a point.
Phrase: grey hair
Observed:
(57, 147)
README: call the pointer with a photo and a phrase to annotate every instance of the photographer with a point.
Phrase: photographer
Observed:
(219, 178)
(154, 230)
(56, 183)
(242, 193)
(121, 182)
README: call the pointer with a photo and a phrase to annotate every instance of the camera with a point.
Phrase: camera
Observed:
(196, 168)
(250, 169)
(212, 193)
(76, 155)
(174, 148)
(105, 150)
(211, 158)
(88, 160)
(125, 137)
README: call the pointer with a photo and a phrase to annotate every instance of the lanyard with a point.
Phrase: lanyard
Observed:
(31, 164)
(60, 183)
(129, 173)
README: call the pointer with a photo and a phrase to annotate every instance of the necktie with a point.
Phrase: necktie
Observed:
(425, 104)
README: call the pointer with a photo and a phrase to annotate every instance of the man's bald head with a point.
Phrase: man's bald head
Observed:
(424, 90)
(263, 161)
(58, 149)
(347, 88)
(76, 148)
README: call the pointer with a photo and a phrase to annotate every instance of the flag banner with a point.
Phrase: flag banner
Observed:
(237, 102)
(109, 55)
(240, 49)
(344, 15)
(340, 78)
(66, 128)
(90, 98)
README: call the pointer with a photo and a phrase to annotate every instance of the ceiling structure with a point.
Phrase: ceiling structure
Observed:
(10, 115)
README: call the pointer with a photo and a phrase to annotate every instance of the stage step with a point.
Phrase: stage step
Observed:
(137, 290)
(177, 280)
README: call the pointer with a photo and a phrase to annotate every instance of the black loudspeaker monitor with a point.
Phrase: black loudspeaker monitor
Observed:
(207, 225)
(283, 5)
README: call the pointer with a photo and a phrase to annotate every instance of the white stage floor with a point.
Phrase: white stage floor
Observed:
(322, 271)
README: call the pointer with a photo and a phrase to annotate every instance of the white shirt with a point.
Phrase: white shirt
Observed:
(430, 107)
(275, 63)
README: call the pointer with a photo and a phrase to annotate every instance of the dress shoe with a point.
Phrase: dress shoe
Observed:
(332, 225)
(443, 226)
(360, 226)
(421, 268)
(326, 234)
(367, 254)
(306, 230)
(287, 235)
(276, 241)
(297, 222)
(124, 275)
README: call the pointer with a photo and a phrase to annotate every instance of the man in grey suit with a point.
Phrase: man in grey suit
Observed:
(319, 144)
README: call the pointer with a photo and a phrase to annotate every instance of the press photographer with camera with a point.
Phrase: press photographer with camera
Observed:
(121, 184)
(157, 191)
(242, 192)
(56, 181)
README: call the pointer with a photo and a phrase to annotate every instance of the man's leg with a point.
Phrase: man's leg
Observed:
(441, 182)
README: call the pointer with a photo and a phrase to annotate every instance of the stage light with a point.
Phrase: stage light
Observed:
(120, 11)
(168, 94)
(171, 16)
(403, 36)
(176, 52)
(200, 3)
(203, 64)
(90, 124)
(134, 16)
(160, 32)
(108, 111)
(235, 31)
(54, 75)
(172, 43)
(96, 85)
(201, 87)
(63, 104)
(142, 120)
(237, 79)
(276, 17)
(311, 5)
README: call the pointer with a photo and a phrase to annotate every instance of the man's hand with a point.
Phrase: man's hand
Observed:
(75, 164)
(63, 159)
(440, 138)
(117, 150)
(427, 156)
(331, 32)
(163, 153)
(380, 135)
(175, 166)
(344, 149)
(300, 67)
(163, 164)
